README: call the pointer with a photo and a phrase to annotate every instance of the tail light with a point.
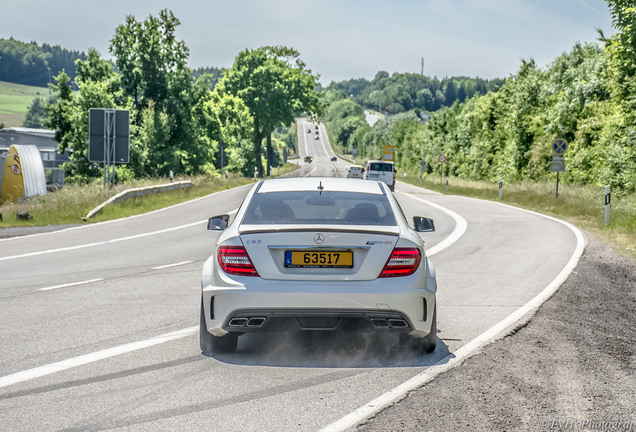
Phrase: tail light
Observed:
(402, 262)
(235, 260)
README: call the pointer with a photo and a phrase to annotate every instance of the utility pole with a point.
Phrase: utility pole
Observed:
(422, 66)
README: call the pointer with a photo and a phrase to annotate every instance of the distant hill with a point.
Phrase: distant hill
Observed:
(33, 64)
(15, 99)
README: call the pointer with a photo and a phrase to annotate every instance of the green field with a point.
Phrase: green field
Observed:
(15, 100)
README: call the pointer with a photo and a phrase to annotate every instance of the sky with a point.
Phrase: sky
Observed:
(337, 39)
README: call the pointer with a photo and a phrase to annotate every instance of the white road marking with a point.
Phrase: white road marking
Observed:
(93, 357)
(69, 285)
(460, 227)
(171, 265)
(105, 242)
(512, 321)
(87, 226)
(101, 243)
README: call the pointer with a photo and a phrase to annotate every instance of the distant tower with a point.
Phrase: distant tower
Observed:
(422, 66)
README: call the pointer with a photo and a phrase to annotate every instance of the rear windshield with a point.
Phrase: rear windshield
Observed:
(309, 207)
(378, 166)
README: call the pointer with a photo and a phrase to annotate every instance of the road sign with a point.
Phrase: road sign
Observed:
(108, 128)
(441, 158)
(422, 166)
(558, 164)
(559, 146)
(389, 153)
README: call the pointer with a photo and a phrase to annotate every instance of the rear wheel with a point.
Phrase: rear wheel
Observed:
(206, 340)
(225, 344)
(429, 342)
(210, 344)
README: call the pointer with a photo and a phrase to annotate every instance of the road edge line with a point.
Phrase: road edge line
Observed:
(63, 365)
(499, 330)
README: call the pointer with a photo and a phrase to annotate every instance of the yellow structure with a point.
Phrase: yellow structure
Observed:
(23, 174)
(389, 153)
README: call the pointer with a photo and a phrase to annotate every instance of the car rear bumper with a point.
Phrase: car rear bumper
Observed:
(348, 307)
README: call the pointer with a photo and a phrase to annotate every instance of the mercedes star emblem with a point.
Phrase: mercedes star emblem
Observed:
(319, 238)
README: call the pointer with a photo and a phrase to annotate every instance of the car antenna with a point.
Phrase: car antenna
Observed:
(321, 188)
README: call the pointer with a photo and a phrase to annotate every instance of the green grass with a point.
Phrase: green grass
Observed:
(71, 203)
(15, 100)
(582, 206)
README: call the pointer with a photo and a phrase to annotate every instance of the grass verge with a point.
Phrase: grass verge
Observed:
(69, 204)
(583, 206)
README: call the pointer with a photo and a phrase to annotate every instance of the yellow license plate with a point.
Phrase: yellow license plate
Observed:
(319, 259)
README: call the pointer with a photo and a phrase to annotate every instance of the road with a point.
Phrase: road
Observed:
(100, 322)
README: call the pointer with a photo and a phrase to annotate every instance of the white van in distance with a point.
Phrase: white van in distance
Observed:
(381, 170)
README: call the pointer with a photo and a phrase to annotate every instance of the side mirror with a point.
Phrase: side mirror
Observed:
(218, 223)
(423, 224)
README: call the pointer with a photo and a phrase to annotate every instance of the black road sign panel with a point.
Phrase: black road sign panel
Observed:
(121, 135)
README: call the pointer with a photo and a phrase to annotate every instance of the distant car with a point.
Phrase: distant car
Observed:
(316, 136)
(308, 130)
(308, 159)
(328, 254)
(333, 158)
(355, 171)
(316, 126)
(381, 170)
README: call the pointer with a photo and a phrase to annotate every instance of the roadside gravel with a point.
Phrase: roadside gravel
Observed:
(572, 367)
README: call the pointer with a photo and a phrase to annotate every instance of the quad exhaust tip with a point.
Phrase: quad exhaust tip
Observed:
(256, 321)
(380, 322)
(247, 322)
(389, 323)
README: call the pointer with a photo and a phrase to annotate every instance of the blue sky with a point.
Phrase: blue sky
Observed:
(338, 39)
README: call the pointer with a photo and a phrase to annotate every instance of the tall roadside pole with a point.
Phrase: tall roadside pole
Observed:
(559, 148)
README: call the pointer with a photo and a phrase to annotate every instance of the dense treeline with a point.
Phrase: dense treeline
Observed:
(178, 123)
(586, 96)
(402, 92)
(213, 73)
(35, 65)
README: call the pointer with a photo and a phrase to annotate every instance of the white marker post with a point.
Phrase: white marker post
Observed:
(607, 205)
(500, 189)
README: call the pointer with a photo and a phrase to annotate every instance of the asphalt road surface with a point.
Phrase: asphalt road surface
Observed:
(99, 322)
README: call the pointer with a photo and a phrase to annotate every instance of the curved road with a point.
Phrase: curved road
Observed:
(100, 322)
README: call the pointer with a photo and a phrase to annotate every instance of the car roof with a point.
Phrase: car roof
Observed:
(313, 183)
(380, 161)
(356, 166)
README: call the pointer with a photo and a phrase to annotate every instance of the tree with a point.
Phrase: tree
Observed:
(35, 114)
(276, 86)
(149, 56)
(99, 87)
(154, 73)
